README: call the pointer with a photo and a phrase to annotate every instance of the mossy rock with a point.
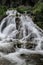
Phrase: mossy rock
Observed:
(12, 8)
(22, 9)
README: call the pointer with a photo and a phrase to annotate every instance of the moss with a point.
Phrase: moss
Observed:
(22, 9)
(12, 8)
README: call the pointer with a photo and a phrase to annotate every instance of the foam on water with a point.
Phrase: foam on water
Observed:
(16, 34)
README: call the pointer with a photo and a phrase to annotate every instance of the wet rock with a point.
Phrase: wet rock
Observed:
(17, 22)
(30, 45)
(1, 17)
(4, 62)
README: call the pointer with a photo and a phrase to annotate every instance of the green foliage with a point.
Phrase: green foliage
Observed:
(2, 10)
(38, 8)
(22, 9)
(40, 24)
(38, 14)
(12, 8)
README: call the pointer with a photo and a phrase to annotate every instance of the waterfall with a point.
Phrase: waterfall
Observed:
(19, 38)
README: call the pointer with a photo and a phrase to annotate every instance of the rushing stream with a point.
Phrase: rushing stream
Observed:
(21, 41)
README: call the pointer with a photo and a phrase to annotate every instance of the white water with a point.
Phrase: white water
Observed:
(10, 38)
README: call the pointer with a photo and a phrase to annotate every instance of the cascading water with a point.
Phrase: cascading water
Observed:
(20, 39)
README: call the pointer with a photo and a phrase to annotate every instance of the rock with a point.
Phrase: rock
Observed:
(4, 62)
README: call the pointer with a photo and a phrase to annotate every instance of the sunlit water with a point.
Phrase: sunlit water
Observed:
(21, 41)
